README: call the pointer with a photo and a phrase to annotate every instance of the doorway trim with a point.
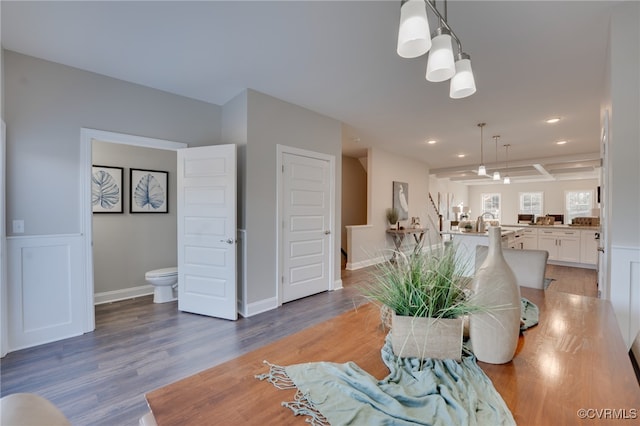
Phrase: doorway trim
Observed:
(280, 151)
(87, 136)
(4, 316)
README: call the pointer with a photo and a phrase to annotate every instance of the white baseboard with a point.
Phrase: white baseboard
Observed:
(337, 285)
(126, 293)
(251, 309)
(364, 263)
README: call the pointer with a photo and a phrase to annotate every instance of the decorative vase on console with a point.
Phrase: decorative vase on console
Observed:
(494, 334)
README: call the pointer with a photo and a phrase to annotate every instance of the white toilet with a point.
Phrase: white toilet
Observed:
(165, 284)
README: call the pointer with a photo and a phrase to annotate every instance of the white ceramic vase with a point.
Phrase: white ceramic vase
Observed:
(494, 334)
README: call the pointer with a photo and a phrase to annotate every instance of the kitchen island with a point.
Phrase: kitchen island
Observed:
(568, 245)
(466, 243)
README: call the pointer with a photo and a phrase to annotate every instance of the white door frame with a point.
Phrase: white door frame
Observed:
(86, 216)
(280, 151)
(604, 278)
(4, 323)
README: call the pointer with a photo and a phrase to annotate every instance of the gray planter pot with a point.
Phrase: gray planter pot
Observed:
(420, 337)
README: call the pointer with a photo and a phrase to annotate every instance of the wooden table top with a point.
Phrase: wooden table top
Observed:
(574, 359)
(406, 231)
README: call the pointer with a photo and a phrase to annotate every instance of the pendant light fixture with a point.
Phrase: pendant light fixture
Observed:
(507, 179)
(414, 39)
(496, 174)
(482, 170)
(462, 83)
(440, 65)
(413, 33)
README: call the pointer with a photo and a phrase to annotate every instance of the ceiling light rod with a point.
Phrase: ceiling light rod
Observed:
(443, 21)
(507, 179)
(496, 174)
(482, 171)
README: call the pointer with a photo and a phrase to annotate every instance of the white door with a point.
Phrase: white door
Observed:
(207, 231)
(602, 264)
(307, 241)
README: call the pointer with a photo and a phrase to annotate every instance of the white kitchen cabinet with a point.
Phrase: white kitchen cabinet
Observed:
(549, 242)
(529, 239)
(562, 245)
(589, 246)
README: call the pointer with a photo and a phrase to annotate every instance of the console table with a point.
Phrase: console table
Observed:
(568, 370)
(399, 234)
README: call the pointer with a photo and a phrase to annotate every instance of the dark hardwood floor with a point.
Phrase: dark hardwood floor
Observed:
(100, 378)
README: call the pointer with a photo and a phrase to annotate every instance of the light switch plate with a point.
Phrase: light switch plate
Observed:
(18, 226)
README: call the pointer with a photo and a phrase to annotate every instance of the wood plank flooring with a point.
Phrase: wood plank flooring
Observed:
(100, 378)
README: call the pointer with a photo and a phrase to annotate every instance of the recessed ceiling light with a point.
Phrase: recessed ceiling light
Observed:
(552, 120)
(431, 141)
(561, 142)
(460, 155)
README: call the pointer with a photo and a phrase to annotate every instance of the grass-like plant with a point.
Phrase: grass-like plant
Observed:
(423, 284)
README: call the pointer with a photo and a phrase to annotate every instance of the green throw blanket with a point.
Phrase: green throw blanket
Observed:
(416, 392)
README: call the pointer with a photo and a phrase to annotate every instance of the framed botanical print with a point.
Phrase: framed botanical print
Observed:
(106, 189)
(149, 191)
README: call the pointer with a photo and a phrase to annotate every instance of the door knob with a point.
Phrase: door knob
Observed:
(228, 241)
(601, 249)
(327, 232)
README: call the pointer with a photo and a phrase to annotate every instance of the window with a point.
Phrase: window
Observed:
(531, 203)
(491, 204)
(577, 203)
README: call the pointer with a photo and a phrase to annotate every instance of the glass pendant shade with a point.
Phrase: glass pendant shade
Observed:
(440, 65)
(463, 83)
(413, 34)
(482, 171)
(507, 179)
(496, 175)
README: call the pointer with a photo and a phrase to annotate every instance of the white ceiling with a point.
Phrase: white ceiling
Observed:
(531, 60)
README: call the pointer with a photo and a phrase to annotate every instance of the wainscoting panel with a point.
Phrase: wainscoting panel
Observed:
(625, 290)
(45, 292)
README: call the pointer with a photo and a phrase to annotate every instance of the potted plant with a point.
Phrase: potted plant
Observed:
(392, 216)
(427, 298)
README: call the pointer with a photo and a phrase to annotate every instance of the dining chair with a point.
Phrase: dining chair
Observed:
(529, 266)
(26, 409)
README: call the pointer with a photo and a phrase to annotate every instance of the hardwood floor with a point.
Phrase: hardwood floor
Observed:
(573, 280)
(100, 378)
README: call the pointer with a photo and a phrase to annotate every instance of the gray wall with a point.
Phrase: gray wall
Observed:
(127, 245)
(48, 103)
(624, 129)
(272, 122)
(234, 130)
(1, 80)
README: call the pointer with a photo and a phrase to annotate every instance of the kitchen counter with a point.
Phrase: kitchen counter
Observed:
(561, 226)
(505, 232)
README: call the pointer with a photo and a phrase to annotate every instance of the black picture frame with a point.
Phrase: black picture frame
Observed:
(107, 189)
(148, 191)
